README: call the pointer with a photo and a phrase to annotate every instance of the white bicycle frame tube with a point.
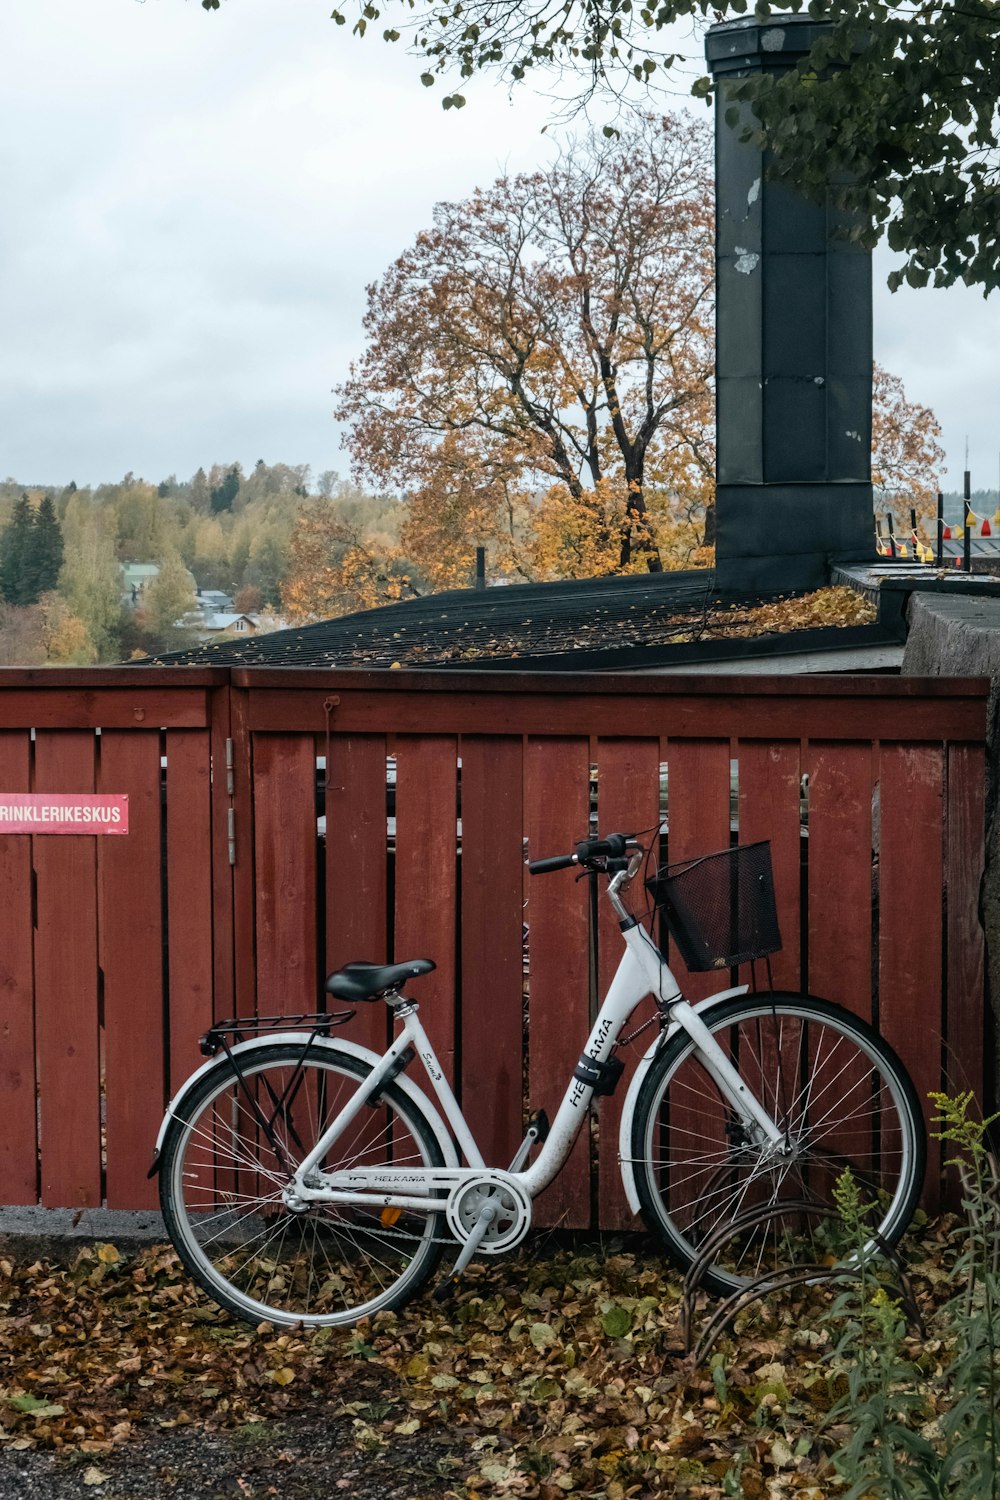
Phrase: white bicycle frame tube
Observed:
(642, 970)
(412, 1035)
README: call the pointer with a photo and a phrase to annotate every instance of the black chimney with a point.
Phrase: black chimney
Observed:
(794, 349)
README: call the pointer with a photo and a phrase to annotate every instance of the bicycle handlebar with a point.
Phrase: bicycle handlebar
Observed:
(588, 850)
(554, 862)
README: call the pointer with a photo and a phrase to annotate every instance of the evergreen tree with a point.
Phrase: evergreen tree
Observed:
(17, 572)
(47, 547)
(225, 493)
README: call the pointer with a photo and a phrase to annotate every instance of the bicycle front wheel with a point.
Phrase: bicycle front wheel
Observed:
(842, 1099)
(232, 1147)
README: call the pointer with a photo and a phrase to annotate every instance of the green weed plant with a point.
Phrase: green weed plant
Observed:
(915, 1433)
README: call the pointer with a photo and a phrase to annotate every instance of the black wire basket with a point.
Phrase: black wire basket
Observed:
(720, 908)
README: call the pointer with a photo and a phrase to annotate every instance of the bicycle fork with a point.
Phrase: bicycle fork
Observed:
(746, 1104)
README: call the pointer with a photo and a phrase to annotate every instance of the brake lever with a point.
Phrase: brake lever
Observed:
(608, 866)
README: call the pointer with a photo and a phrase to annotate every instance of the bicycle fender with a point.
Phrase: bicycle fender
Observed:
(625, 1162)
(412, 1092)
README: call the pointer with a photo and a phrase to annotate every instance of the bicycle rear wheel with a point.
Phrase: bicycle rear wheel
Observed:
(230, 1150)
(843, 1100)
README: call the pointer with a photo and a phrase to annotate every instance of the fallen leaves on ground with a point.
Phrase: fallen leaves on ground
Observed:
(554, 1372)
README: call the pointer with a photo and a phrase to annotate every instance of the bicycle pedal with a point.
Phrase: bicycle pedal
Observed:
(446, 1289)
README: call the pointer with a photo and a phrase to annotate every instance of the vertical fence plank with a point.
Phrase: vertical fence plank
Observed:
(230, 787)
(698, 822)
(356, 867)
(66, 984)
(492, 965)
(556, 797)
(427, 880)
(698, 816)
(769, 808)
(964, 859)
(18, 1138)
(840, 874)
(911, 837)
(628, 800)
(190, 907)
(130, 953)
(234, 884)
(285, 862)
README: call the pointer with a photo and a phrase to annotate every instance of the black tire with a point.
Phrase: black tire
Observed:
(221, 1177)
(844, 1100)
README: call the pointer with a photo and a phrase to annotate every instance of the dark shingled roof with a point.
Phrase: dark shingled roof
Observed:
(640, 620)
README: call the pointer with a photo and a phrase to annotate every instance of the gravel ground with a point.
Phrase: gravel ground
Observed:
(305, 1457)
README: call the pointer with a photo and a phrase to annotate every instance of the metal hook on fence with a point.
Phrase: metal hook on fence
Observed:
(330, 705)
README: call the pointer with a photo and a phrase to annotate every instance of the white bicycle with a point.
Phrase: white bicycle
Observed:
(307, 1180)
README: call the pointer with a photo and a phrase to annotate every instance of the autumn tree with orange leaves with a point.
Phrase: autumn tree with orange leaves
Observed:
(335, 567)
(906, 456)
(538, 368)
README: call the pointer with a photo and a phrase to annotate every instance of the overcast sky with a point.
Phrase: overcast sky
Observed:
(193, 204)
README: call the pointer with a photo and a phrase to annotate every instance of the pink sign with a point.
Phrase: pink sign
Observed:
(63, 812)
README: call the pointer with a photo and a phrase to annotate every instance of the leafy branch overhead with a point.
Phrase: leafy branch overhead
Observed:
(899, 103)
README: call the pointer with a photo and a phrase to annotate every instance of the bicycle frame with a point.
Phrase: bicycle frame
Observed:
(643, 970)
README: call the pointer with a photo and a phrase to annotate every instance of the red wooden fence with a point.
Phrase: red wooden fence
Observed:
(284, 821)
(112, 951)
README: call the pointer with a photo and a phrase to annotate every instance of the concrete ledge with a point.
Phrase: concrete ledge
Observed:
(58, 1233)
(956, 635)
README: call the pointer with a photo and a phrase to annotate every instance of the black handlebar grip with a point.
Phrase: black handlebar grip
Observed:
(613, 847)
(554, 862)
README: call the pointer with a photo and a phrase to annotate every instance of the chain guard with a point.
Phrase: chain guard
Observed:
(513, 1219)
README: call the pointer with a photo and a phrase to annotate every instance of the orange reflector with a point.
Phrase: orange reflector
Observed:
(390, 1216)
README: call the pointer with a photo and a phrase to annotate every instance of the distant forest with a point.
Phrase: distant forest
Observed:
(283, 546)
(62, 591)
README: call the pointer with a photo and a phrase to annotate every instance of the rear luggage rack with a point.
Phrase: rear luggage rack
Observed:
(224, 1034)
